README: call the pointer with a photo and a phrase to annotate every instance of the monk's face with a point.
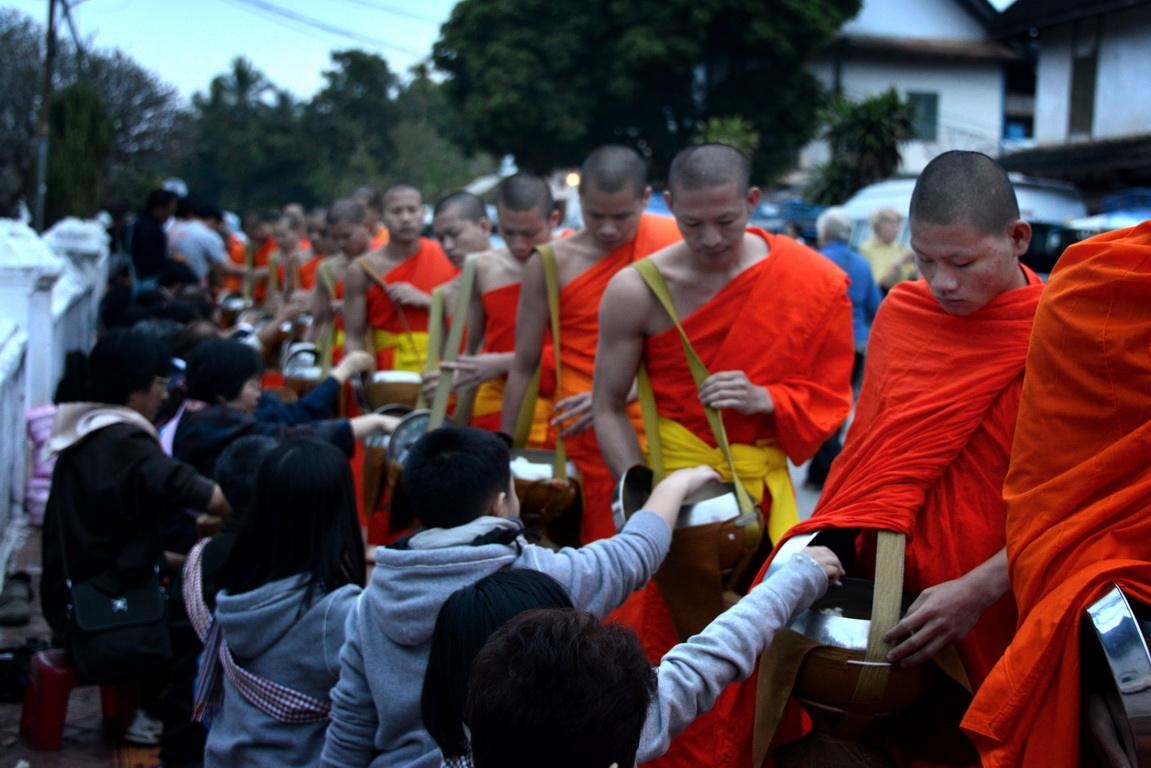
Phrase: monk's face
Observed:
(286, 237)
(524, 231)
(404, 215)
(612, 218)
(965, 267)
(460, 236)
(350, 237)
(713, 220)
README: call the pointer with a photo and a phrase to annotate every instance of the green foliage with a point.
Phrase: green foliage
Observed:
(733, 131)
(548, 80)
(81, 141)
(20, 84)
(864, 139)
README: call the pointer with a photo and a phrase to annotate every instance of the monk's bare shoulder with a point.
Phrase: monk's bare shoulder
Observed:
(628, 302)
(577, 247)
(496, 268)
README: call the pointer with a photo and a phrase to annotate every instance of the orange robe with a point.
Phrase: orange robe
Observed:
(238, 255)
(400, 336)
(380, 239)
(807, 370)
(1077, 495)
(306, 274)
(500, 308)
(926, 457)
(579, 335)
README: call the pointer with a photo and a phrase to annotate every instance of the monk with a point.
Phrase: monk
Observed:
(460, 222)
(348, 231)
(389, 290)
(927, 453)
(373, 203)
(285, 262)
(613, 192)
(771, 321)
(527, 217)
(1077, 494)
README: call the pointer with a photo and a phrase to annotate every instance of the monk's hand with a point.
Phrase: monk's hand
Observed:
(408, 295)
(575, 411)
(1101, 728)
(429, 380)
(732, 389)
(472, 370)
(940, 616)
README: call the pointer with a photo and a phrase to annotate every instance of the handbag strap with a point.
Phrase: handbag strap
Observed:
(699, 373)
(528, 404)
(455, 337)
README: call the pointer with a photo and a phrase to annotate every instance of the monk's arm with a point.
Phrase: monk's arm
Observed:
(943, 615)
(531, 322)
(621, 323)
(355, 308)
(320, 307)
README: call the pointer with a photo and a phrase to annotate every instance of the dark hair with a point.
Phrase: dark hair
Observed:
(180, 311)
(219, 368)
(524, 192)
(302, 520)
(962, 187)
(369, 197)
(158, 198)
(176, 274)
(705, 166)
(193, 335)
(452, 474)
(122, 362)
(611, 168)
(465, 622)
(346, 209)
(184, 207)
(209, 211)
(558, 677)
(237, 467)
(467, 205)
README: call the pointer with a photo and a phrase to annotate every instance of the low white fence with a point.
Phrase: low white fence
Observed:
(50, 290)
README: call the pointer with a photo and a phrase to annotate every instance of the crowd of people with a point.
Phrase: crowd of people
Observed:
(998, 435)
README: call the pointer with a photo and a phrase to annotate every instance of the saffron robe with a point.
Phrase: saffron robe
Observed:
(400, 335)
(1077, 494)
(794, 305)
(500, 308)
(926, 457)
(579, 335)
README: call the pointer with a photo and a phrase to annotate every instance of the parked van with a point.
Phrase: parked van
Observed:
(1046, 204)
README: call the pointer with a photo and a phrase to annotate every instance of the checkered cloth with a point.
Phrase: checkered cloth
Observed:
(276, 701)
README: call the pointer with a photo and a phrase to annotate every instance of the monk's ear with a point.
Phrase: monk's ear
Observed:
(554, 218)
(486, 225)
(667, 198)
(646, 195)
(753, 195)
(1020, 234)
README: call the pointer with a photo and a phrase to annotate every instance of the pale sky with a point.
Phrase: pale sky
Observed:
(188, 42)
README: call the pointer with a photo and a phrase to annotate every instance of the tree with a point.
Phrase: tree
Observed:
(20, 58)
(547, 80)
(350, 122)
(248, 151)
(733, 131)
(81, 141)
(864, 139)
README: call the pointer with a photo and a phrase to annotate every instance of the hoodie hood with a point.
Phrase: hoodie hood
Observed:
(75, 421)
(410, 585)
(253, 622)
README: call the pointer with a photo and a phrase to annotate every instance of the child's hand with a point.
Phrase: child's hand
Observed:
(826, 560)
(668, 496)
(692, 479)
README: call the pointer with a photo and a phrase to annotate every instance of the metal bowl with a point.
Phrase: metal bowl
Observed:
(713, 503)
(392, 387)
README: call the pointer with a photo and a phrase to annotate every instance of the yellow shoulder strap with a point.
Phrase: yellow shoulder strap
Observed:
(528, 404)
(699, 373)
(455, 336)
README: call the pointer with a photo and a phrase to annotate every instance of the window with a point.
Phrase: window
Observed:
(1084, 61)
(926, 108)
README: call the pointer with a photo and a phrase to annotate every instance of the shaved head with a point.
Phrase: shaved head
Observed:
(525, 192)
(613, 168)
(370, 197)
(463, 204)
(968, 188)
(708, 166)
(400, 187)
(347, 209)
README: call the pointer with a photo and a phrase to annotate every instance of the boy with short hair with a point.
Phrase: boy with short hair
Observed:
(460, 484)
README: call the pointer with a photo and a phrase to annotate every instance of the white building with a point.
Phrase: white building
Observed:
(939, 54)
(1092, 92)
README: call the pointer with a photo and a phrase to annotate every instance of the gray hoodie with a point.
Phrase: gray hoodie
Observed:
(376, 704)
(270, 636)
